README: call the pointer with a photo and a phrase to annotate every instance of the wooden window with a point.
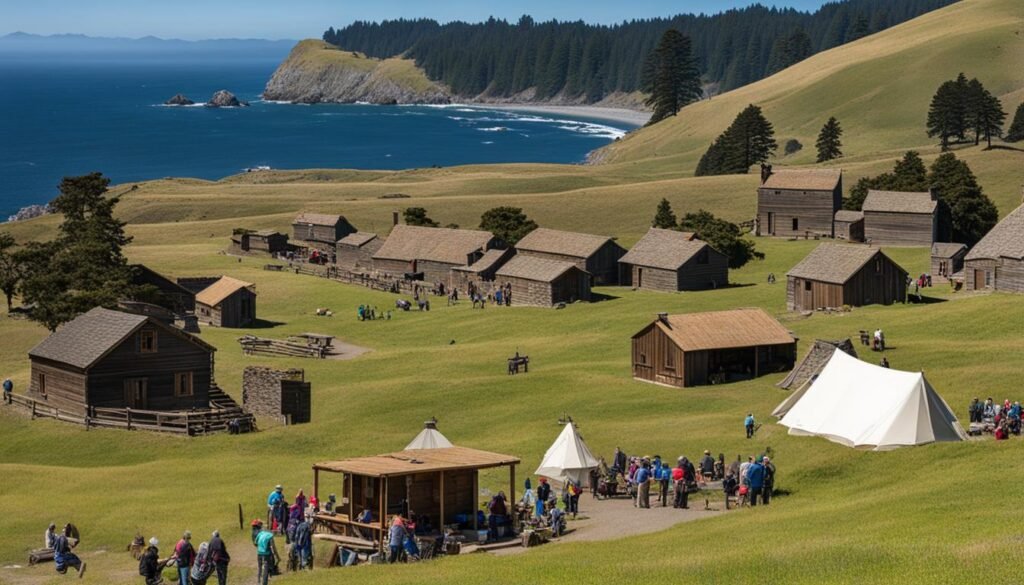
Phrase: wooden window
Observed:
(147, 341)
(670, 357)
(183, 384)
(878, 265)
(796, 224)
(42, 385)
(988, 278)
(643, 359)
(807, 285)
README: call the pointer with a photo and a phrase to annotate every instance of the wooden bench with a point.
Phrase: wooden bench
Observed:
(515, 362)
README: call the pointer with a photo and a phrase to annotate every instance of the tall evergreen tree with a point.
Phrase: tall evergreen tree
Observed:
(12, 268)
(509, 224)
(664, 217)
(672, 76)
(971, 213)
(947, 115)
(829, 144)
(908, 174)
(790, 50)
(749, 140)
(1016, 131)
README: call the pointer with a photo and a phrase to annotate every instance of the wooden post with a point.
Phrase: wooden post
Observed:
(128, 412)
(510, 505)
(382, 497)
(476, 497)
(348, 494)
(442, 520)
(316, 485)
(241, 520)
(33, 410)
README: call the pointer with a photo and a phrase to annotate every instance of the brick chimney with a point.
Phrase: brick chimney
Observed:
(394, 218)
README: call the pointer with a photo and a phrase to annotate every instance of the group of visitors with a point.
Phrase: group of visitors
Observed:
(1002, 420)
(499, 295)
(193, 566)
(372, 313)
(539, 508)
(294, 522)
(62, 542)
(750, 481)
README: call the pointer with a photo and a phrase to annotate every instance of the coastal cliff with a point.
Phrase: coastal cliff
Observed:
(316, 72)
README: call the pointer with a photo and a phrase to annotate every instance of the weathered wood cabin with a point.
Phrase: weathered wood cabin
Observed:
(695, 349)
(482, 272)
(541, 282)
(169, 294)
(849, 225)
(947, 260)
(997, 261)
(267, 242)
(897, 218)
(430, 252)
(355, 251)
(229, 302)
(597, 255)
(111, 359)
(321, 231)
(834, 275)
(795, 203)
(670, 260)
(440, 484)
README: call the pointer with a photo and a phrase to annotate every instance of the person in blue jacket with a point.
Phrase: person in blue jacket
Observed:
(749, 424)
(755, 480)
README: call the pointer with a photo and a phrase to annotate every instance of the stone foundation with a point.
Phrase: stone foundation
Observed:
(277, 394)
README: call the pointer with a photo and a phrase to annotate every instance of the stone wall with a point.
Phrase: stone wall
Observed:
(277, 394)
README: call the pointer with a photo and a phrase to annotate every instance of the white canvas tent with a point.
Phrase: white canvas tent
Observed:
(429, 438)
(568, 458)
(861, 405)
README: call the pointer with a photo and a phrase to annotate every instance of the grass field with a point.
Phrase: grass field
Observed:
(934, 514)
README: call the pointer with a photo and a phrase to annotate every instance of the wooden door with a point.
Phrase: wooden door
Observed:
(771, 223)
(979, 279)
(639, 277)
(806, 295)
(136, 393)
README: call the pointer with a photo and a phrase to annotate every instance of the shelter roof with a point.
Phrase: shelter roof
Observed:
(1006, 240)
(226, 286)
(324, 219)
(485, 263)
(899, 202)
(666, 249)
(532, 268)
(804, 179)
(418, 461)
(833, 263)
(947, 250)
(849, 216)
(357, 239)
(724, 329)
(450, 246)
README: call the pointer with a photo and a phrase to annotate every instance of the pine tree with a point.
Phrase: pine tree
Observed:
(664, 218)
(508, 224)
(749, 140)
(947, 115)
(723, 236)
(859, 29)
(971, 213)
(1016, 131)
(990, 118)
(12, 268)
(829, 145)
(673, 79)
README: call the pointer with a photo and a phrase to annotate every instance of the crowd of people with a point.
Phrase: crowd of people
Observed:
(1002, 420)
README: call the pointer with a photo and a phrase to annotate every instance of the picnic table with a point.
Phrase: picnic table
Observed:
(516, 361)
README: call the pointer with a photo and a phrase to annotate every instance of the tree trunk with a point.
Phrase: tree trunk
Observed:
(10, 306)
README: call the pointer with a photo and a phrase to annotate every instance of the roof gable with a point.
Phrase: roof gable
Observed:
(724, 330)
(226, 286)
(846, 215)
(533, 268)
(804, 179)
(357, 239)
(450, 246)
(1006, 240)
(564, 243)
(899, 202)
(322, 219)
(947, 250)
(665, 249)
(834, 263)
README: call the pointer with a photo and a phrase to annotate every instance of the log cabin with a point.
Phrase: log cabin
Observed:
(834, 275)
(430, 253)
(947, 260)
(482, 272)
(265, 242)
(168, 293)
(229, 302)
(541, 282)
(111, 359)
(671, 260)
(798, 203)
(355, 251)
(849, 225)
(899, 218)
(321, 231)
(997, 261)
(695, 349)
(597, 255)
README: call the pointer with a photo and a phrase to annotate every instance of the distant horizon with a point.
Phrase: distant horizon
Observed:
(300, 19)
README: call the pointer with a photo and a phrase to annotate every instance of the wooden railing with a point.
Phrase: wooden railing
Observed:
(258, 345)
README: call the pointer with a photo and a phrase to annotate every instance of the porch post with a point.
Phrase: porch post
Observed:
(442, 519)
(512, 492)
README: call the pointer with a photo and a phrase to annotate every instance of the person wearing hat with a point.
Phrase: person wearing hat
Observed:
(184, 555)
(755, 479)
(707, 465)
(266, 552)
(274, 501)
(749, 424)
(643, 486)
(769, 481)
(150, 565)
(220, 557)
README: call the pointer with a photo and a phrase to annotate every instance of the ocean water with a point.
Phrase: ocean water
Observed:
(63, 117)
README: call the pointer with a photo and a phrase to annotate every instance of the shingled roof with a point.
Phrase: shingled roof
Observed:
(533, 268)
(848, 216)
(318, 219)
(833, 263)
(85, 339)
(724, 329)
(947, 250)
(564, 243)
(804, 179)
(357, 239)
(1006, 240)
(450, 246)
(486, 262)
(899, 202)
(214, 294)
(665, 249)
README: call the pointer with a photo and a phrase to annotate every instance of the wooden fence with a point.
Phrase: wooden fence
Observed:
(252, 345)
(372, 281)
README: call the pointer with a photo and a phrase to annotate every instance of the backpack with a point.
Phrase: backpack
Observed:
(143, 565)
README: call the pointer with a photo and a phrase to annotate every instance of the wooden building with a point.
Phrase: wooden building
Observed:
(111, 359)
(269, 242)
(169, 294)
(947, 260)
(355, 251)
(482, 272)
(670, 260)
(541, 282)
(997, 261)
(229, 302)
(834, 275)
(898, 218)
(430, 253)
(705, 348)
(849, 225)
(321, 231)
(440, 484)
(795, 203)
(596, 255)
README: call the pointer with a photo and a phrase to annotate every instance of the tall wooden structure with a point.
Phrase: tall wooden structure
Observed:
(834, 275)
(703, 348)
(110, 359)
(541, 282)
(596, 255)
(228, 302)
(947, 260)
(430, 252)
(997, 261)
(320, 230)
(897, 218)
(670, 260)
(795, 203)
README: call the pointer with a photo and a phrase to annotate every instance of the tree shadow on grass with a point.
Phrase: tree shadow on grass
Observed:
(925, 300)
(263, 324)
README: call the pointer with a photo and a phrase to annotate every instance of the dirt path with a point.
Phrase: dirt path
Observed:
(345, 351)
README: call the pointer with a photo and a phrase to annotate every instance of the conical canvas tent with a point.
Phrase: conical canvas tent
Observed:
(568, 458)
(861, 405)
(429, 438)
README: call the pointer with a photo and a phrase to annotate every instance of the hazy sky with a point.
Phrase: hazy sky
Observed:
(198, 19)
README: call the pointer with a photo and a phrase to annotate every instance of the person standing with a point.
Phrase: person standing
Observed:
(274, 501)
(755, 480)
(664, 480)
(220, 557)
(682, 495)
(8, 389)
(202, 568)
(184, 555)
(707, 465)
(974, 411)
(619, 461)
(62, 555)
(266, 554)
(769, 481)
(396, 538)
(749, 424)
(643, 486)
(302, 544)
(543, 494)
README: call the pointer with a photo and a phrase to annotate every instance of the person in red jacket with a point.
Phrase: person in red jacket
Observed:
(682, 496)
(185, 555)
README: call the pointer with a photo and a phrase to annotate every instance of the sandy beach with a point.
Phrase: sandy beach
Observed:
(620, 115)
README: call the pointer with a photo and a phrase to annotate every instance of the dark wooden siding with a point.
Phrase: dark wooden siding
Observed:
(238, 310)
(813, 210)
(852, 231)
(357, 258)
(879, 282)
(435, 271)
(656, 279)
(651, 347)
(702, 273)
(943, 267)
(322, 234)
(65, 386)
(821, 295)
(899, 229)
(572, 286)
(1009, 275)
(270, 244)
(975, 271)
(394, 267)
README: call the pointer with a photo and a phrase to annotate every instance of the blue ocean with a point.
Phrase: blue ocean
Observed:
(67, 117)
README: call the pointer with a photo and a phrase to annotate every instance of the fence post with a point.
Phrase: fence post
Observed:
(128, 411)
(33, 409)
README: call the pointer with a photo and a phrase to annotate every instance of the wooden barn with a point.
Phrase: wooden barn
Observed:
(169, 294)
(795, 203)
(898, 218)
(111, 359)
(430, 253)
(670, 260)
(269, 242)
(321, 231)
(541, 282)
(596, 255)
(229, 302)
(849, 225)
(355, 251)
(947, 260)
(997, 261)
(482, 272)
(707, 348)
(834, 275)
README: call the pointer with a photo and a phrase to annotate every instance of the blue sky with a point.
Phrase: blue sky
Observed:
(198, 19)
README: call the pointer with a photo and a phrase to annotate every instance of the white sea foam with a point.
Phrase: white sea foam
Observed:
(494, 129)
(487, 142)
